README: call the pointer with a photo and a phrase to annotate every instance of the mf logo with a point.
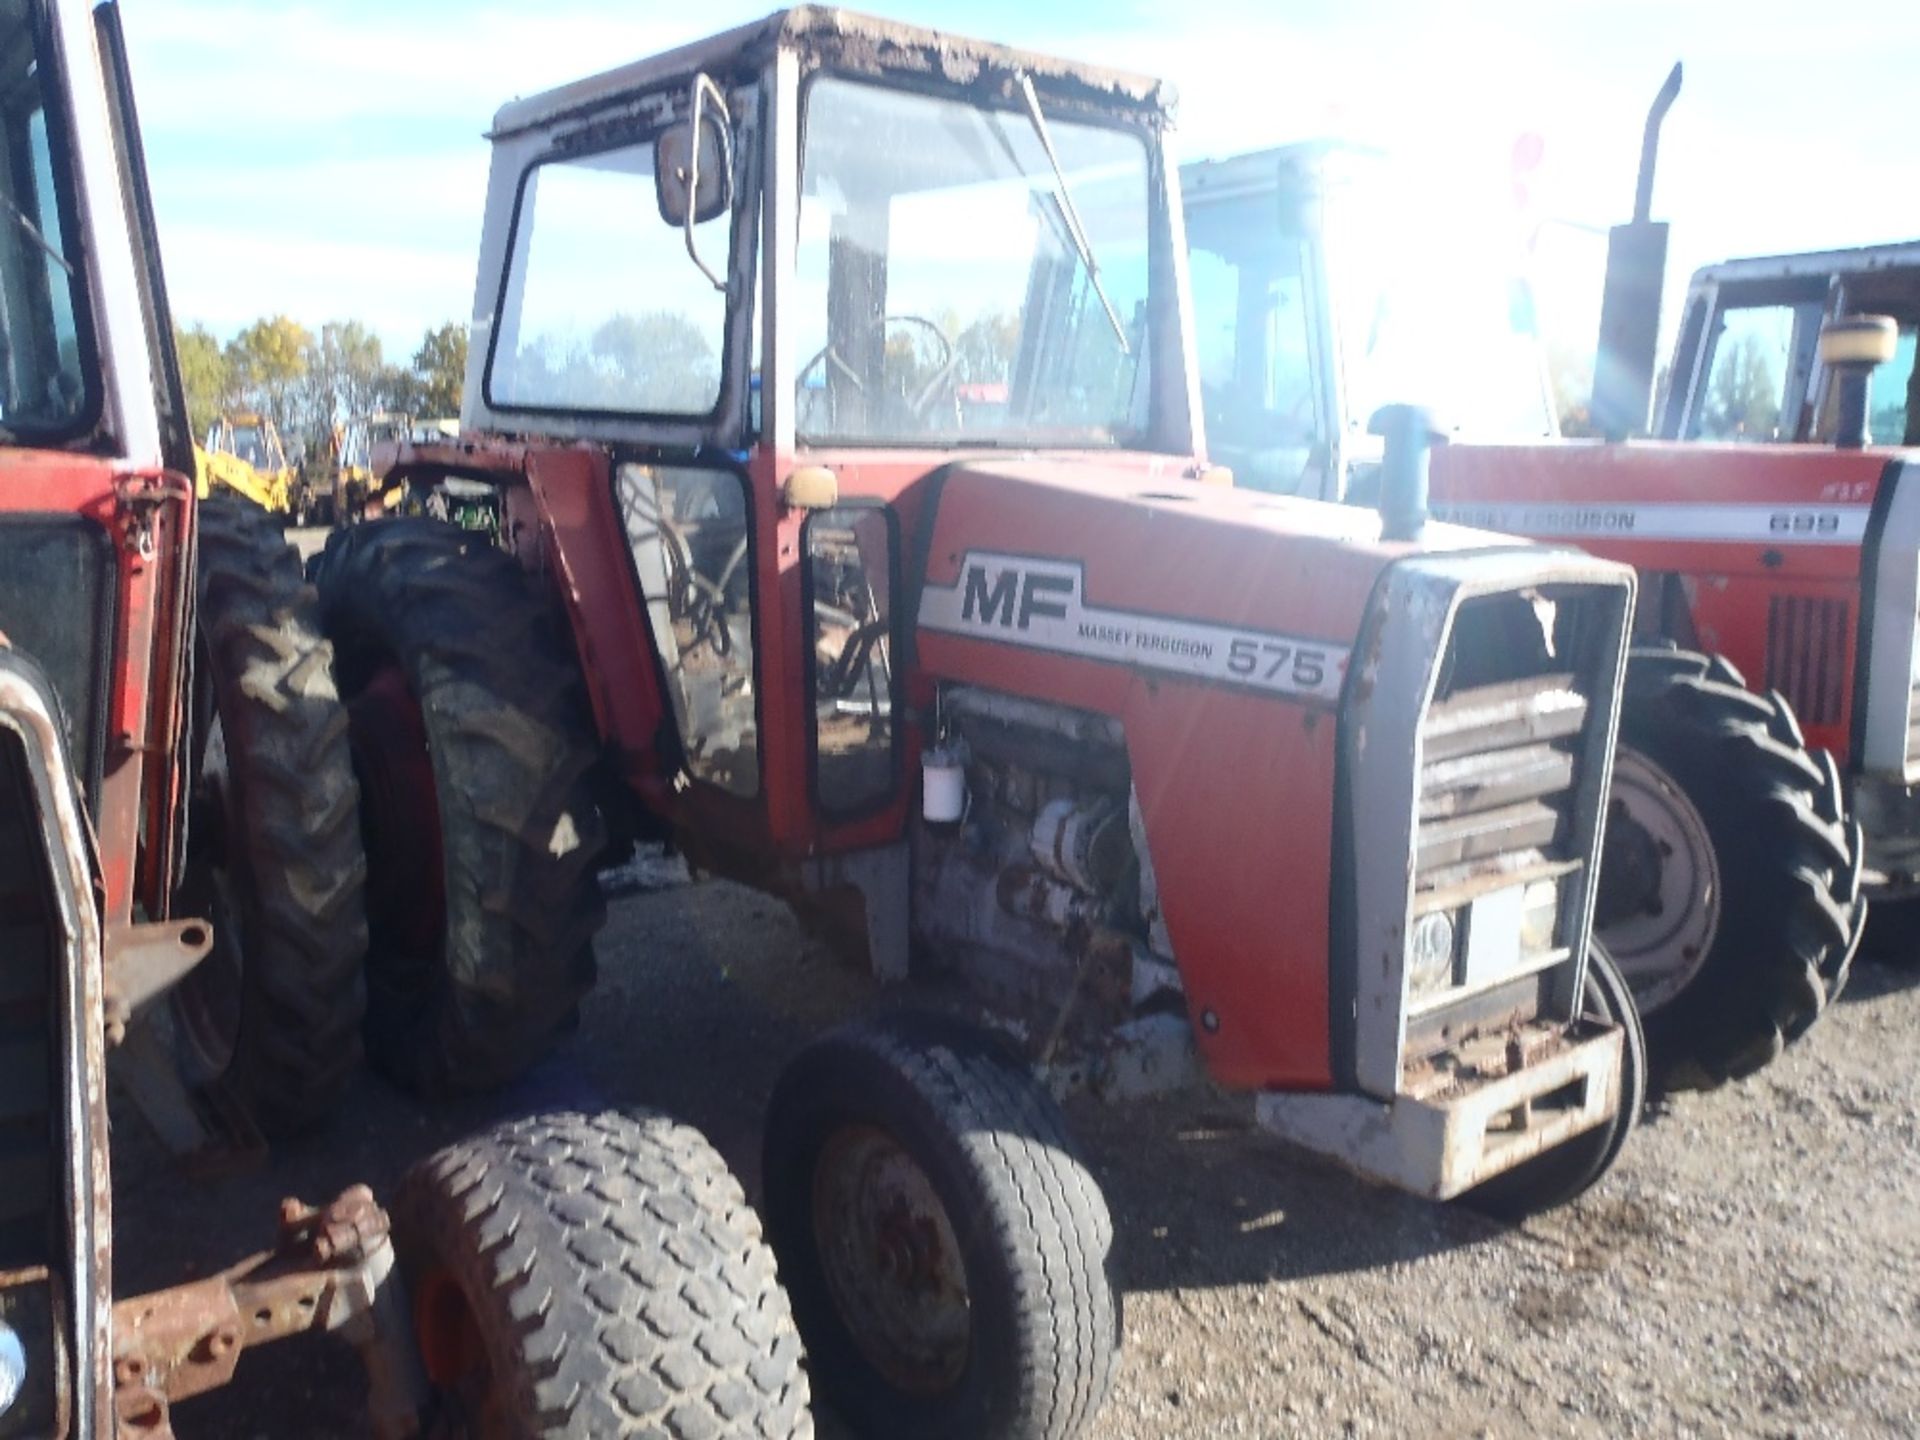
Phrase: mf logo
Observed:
(1014, 597)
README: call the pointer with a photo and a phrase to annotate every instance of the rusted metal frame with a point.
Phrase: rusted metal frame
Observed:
(85, 1174)
(148, 513)
(143, 961)
(332, 1270)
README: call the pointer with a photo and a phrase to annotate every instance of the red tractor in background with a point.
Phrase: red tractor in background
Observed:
(181, 882)
(1730, 893)
(1747, 365)
(835, 382)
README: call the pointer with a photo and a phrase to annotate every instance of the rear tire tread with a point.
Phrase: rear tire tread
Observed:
(1791, 909)
(286, 737)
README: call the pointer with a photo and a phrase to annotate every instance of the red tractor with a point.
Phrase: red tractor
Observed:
(181, 883)
(835, 382)
(1747, 365)
(1730, 895)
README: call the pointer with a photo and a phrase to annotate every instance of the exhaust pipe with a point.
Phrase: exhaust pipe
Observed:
(1623, 368)
(1409, 433)
(1851, 347)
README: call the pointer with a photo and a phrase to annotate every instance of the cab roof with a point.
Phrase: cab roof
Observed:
(845, 40)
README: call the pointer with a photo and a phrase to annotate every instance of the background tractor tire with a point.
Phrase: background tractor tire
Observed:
(274, 859)
(946, 1250)
(592, 1277)
(1568, 1170)
(473, 744)
(1730, 884)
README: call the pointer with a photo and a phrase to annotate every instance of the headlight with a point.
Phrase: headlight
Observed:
(13, 1367)
(1430, 953)
(1539, 914)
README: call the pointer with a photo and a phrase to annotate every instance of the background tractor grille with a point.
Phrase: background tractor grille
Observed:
(27, 1018)
(1807, 656)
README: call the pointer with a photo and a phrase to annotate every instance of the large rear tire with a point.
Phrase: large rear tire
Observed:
(1569, 1170)
(1730, 883)
(947, 1251)
(473, 747)
(274, 859)
(595, 1276)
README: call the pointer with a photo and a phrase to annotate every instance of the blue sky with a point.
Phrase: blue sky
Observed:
(325, 160)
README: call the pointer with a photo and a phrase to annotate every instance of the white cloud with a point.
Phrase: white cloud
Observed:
(326, 160)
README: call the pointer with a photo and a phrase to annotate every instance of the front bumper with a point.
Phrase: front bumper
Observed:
(1443, 1135)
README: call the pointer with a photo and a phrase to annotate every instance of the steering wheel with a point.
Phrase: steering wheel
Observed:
(917, 406)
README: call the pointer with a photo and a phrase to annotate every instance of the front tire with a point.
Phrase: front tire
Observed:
(947, 1252)
(1567, 1171)
(274, 858)
(1730, 883)
(473, 748)
(595, 1276)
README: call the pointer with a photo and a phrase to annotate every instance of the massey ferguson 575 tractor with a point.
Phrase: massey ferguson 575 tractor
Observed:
(1730, 892)
(181, 899)
(836, 382)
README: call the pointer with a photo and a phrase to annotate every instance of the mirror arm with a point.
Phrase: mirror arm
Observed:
(702, 87)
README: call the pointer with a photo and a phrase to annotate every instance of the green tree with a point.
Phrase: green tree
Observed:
(440, 370)
(345, 376)
(204, 375)
(267, 362)
(1743, 392)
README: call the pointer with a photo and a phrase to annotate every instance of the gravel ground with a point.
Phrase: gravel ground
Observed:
(1751, 1268)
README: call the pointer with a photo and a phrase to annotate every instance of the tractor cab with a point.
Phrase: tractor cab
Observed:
(1330, 279)
(1747, 367)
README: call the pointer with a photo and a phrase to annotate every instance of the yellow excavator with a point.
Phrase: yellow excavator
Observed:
(243, 456)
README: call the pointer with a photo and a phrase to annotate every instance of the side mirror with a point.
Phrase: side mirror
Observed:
(693, 168)
(677, 169)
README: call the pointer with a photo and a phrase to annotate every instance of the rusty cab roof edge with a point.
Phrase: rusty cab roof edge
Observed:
(846, 40)
(1860, 260)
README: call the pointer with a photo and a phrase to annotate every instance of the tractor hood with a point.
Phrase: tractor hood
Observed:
(1145, 574)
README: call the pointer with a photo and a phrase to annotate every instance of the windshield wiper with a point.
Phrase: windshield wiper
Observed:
(1071, 211)
(33, 233)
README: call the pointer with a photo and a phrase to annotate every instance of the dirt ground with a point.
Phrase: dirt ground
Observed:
(1751, 1268)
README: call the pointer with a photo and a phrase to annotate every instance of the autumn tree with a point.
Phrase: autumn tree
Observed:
(440, 370)
(204, 375)
(1743, 392)
(267, 362)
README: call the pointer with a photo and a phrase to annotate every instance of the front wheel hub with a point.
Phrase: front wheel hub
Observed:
(1658, 907)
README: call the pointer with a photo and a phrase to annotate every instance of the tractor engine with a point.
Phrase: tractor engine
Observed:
(1039, 889)
(1033, 875)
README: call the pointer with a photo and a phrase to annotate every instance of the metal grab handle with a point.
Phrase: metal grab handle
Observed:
(702, 87)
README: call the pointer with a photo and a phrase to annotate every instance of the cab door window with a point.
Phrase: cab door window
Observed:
(850, 582)
(1893, 395)
(1744, 398)
(688, 533)
(44, 380)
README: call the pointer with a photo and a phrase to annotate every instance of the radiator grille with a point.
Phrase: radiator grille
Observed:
(1807, 656)
(1497, 780)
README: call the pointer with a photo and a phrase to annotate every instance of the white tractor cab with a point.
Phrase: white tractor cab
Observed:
(1317, 303)
(1747, 366)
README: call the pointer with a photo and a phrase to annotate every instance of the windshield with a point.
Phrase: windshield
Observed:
(1433, 304)
(1260, 375)
(939, 292)
(43, 387)
(602, 309)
